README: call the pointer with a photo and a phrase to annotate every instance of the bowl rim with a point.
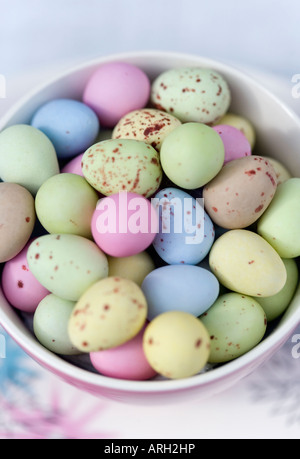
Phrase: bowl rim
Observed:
(55, 362)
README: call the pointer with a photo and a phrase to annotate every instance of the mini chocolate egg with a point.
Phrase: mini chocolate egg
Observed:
(27, 157)
(73, 166)
(279, 225)
(191, 94)
(235, 143)
(66, 264)
(50, 325)
(21, 289)
(122, 165)
(236, 324)
(135, 268)
(282, 174)
(108, 314)
(241, 123)
(174, 288)
(65, 204)
(148, 125)
(17, 219)
(70, 125)
(275, 305)
(241, 192)
(186, 232)
(245, 263)
(176, 344)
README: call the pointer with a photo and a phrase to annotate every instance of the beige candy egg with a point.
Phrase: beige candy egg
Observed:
(241, 123)
(109, 313)
(245, 263)
(135, 267)
(17, 219)
(148, 125)
(282, 174)
(176, 344)
(241, 192)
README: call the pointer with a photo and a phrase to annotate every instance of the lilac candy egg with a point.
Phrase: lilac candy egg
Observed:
(235, 142)
(74, 166)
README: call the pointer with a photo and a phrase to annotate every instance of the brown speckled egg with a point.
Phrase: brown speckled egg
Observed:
(241, 192)
(17, 219)
(149, 125)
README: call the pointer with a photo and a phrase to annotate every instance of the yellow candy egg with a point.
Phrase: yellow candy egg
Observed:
(135, 267)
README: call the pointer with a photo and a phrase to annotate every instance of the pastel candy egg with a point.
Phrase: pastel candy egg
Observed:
(236, 324)
(135, 267)
(245, 263)
(124, 224)
(192, 94)
(21, 289)
(66, 264)
(122, 165)
(235, 143)
(70, 125)
(280, 223)
(192, 155)
(27, 157)
(127, 361)
(241, 192)
(73, 166)
(50, 325)
(109, 313)
(17, 219)
(176, 344)
(148, 125)
(114, 89)
(173, 288)
(241, 123)
(282, 174)
(65, 203)
(275, 305)
(186, 232)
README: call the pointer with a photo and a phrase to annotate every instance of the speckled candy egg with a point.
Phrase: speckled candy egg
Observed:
(148, 125)
(275, 305)
(114, 89)
(127, 361)
(70, 125)
(282, 174)
(65, 204)
(122, 165)
(21, 289)
(17, 219)
(177, 288)
(235, 143)
(50, 325)
(281, 222)
(176, 345)
(192, 94)
(74, 166)
(192, 155)
(66, 264)
(135, 268)
(186, 232)
(109, 313)
(236, 324)
(245, 263)
(241, 123)
(27, 157)
(241, 192)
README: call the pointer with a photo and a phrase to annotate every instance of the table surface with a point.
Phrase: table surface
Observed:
(36, 404)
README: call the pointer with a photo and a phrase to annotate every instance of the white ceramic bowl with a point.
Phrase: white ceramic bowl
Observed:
(278, 135)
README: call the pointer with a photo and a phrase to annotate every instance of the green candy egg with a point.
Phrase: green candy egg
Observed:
(65, 203)
(50, 325)
(192, 155)
(280, 223)
(66, 264)
(27, 157)
(236, 324)
(275, 305)
(122, 165)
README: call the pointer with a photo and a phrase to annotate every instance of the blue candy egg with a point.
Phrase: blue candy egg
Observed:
(180, 288)
(186, 233)
(71, 126)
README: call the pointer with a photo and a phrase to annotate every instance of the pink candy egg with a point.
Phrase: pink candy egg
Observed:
(235, 142)
(115, 89)
(73, 166)
(127, 361)
(124, 224)
(21, 289)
